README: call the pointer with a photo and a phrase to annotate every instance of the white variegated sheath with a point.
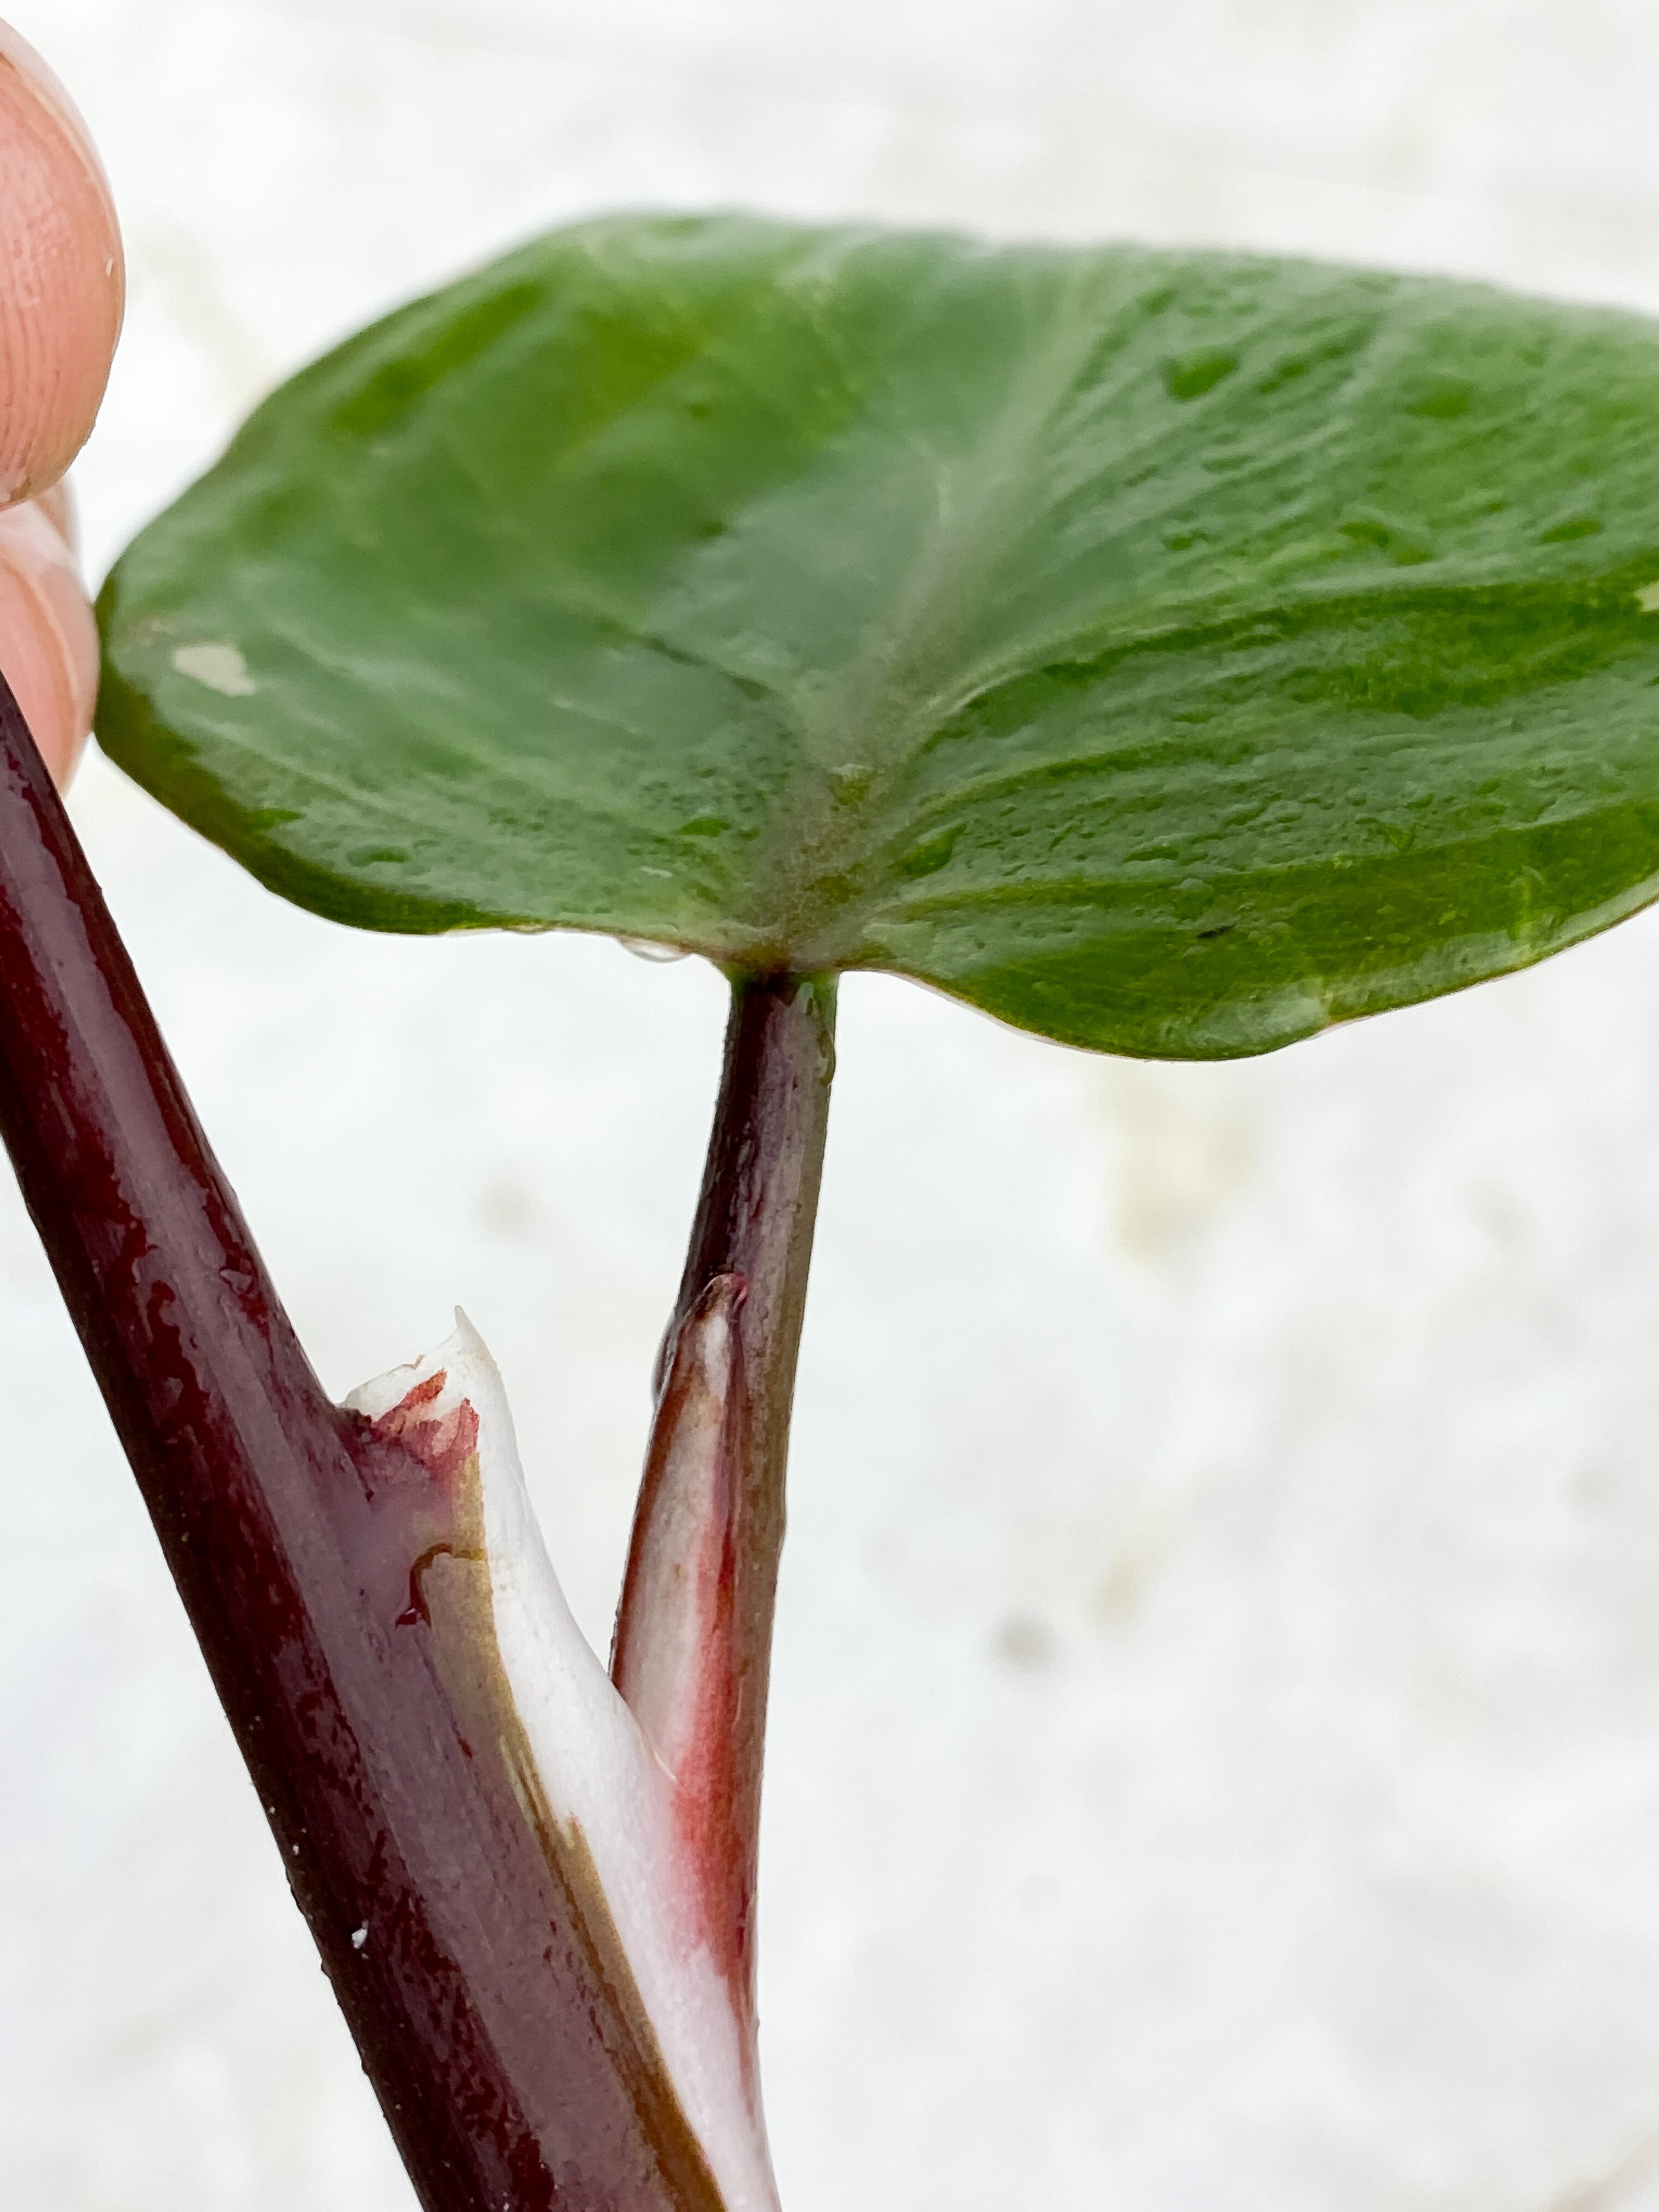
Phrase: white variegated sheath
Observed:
(610, 1793)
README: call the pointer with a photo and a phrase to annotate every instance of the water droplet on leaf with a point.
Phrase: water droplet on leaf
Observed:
(645, 948)
(929, 857)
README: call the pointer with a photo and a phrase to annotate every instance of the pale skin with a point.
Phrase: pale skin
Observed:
(62, 291)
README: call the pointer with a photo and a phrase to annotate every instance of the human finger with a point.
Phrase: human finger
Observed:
(61, 285)
(62, 278)
(48, 639)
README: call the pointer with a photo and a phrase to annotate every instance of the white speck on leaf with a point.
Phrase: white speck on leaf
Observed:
(359, 1937)
(1647, 599)
(666, 873)
(221, 667)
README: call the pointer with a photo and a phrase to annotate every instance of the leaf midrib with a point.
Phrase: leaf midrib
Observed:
(860, 721)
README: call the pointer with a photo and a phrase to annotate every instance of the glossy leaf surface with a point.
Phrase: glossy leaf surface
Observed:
(1171, 653)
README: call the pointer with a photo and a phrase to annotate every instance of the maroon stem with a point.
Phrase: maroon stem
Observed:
(503, 2062)
(751, 1251)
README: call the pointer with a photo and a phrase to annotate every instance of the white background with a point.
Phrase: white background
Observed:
(1216, 1738)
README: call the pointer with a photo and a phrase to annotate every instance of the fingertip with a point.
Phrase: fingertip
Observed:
(62, 277)
(48, 638)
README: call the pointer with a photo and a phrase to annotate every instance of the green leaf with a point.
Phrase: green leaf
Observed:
(1171, 653)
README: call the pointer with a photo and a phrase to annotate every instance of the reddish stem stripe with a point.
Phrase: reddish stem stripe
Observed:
(507, 2072)
(720, 1501)
(675, 1667)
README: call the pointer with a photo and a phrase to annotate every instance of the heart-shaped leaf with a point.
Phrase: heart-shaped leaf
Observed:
(1172, 653)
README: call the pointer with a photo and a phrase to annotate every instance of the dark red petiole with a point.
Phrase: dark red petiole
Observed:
(458, 1921)
(694, 1631)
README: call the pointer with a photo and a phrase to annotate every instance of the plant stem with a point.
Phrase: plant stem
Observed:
(509, 2072)
(693, 1652)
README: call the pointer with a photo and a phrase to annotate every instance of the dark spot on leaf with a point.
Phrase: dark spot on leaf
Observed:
(1337, 347)
(272, 818)
(369, 856)
(1286, 372)
(1217, 928)
(1571, 526)
(705, 826)
(1365, 531)
(458, 340)
(1441, 398)
(1405, 546)
(1190, 375)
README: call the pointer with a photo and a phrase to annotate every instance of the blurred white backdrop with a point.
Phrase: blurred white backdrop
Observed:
(1216, 1734)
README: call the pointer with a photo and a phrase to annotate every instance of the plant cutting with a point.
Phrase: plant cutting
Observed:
(1170, 653)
